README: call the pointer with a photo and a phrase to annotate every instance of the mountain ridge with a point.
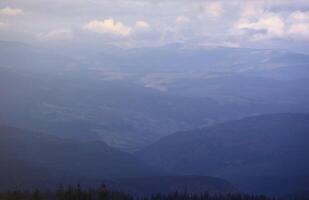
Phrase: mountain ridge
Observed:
(253, 152)
(34, 159)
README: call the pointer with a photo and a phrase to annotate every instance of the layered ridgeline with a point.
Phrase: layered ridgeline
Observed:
(267, 153)
(130, 98)
(30, 159)
(34, 160)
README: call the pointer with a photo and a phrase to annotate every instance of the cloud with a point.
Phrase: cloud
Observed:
(182, 20)
(108, 26)
(11, 11)
(257, 23)
(59, 34)
(267, 26)
(299, 25)
(262, 25)
(252, 10)
(142, 25)
(214, 9)
(299, 16)
(300, 29)
(3, 25)
(116, 28)
(220, 44)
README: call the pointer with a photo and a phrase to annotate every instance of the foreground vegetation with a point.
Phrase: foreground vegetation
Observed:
(78, 193)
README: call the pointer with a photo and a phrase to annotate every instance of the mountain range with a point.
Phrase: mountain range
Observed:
(130, 98)
(266, 153)
(36, 160)
(173, 116)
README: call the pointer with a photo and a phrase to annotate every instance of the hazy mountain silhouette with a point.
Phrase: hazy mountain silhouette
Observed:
(35, 160)
(92, 99)
(31, 159)
(265, 153)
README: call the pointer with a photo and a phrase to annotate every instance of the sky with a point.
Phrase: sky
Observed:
(280, 24)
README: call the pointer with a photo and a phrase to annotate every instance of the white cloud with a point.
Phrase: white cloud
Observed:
(214, 9)
(299, 25)
(117, 28)
(208, 11)
(267, 26)
(220, 44)
(182, 20)
(264, 25)
(299, 16)
(252, 9)
(258, 21)
(3, 25)
(161, 22)
(142, 25)
(108, 26)
(59, 34)
(300, 29)
(11, 11)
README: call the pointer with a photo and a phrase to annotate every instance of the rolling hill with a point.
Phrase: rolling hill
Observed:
(131, 98)
(31, 159)
(35, 160)
(267, 153)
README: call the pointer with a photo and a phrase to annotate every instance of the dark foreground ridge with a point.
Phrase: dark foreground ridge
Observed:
(191, 184)
(262, 154)
(36, 160)
(78, 193)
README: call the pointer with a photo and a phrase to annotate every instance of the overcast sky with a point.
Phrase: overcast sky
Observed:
(129, 23)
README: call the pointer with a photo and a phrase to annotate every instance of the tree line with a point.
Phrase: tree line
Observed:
(102, 193)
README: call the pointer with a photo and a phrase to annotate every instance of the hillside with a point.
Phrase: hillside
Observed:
(267, 153)
(35, 160)
(30, 159)
(171, 184)
(127, 99)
